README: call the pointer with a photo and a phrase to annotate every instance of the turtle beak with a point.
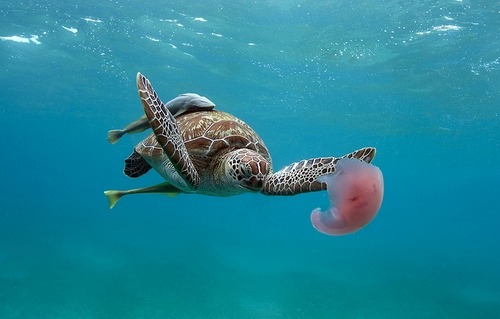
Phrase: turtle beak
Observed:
(254, 183)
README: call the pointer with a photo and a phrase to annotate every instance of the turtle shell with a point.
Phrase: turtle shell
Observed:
(207, 135)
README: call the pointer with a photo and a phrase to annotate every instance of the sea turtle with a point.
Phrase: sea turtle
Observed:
(206, 151)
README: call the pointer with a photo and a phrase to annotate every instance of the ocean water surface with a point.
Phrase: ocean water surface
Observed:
(418, 81)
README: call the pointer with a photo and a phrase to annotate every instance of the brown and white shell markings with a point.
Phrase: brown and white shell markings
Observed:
(228, 155)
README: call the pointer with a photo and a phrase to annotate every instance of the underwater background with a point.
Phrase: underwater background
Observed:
(417, 80)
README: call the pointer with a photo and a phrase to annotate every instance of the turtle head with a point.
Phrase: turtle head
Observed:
(247, 168)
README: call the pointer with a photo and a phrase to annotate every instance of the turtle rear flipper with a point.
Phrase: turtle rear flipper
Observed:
(167, 132)
(136, 165)
(302, 177)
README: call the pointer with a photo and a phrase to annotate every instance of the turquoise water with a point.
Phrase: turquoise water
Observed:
(315, 78)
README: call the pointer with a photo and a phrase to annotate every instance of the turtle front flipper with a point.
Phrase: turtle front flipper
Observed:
(302, 177)
(167, 132)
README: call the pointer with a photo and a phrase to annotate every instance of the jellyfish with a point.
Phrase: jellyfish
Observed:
(355, 189)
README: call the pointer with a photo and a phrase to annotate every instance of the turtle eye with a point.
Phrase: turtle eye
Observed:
(246, 170)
